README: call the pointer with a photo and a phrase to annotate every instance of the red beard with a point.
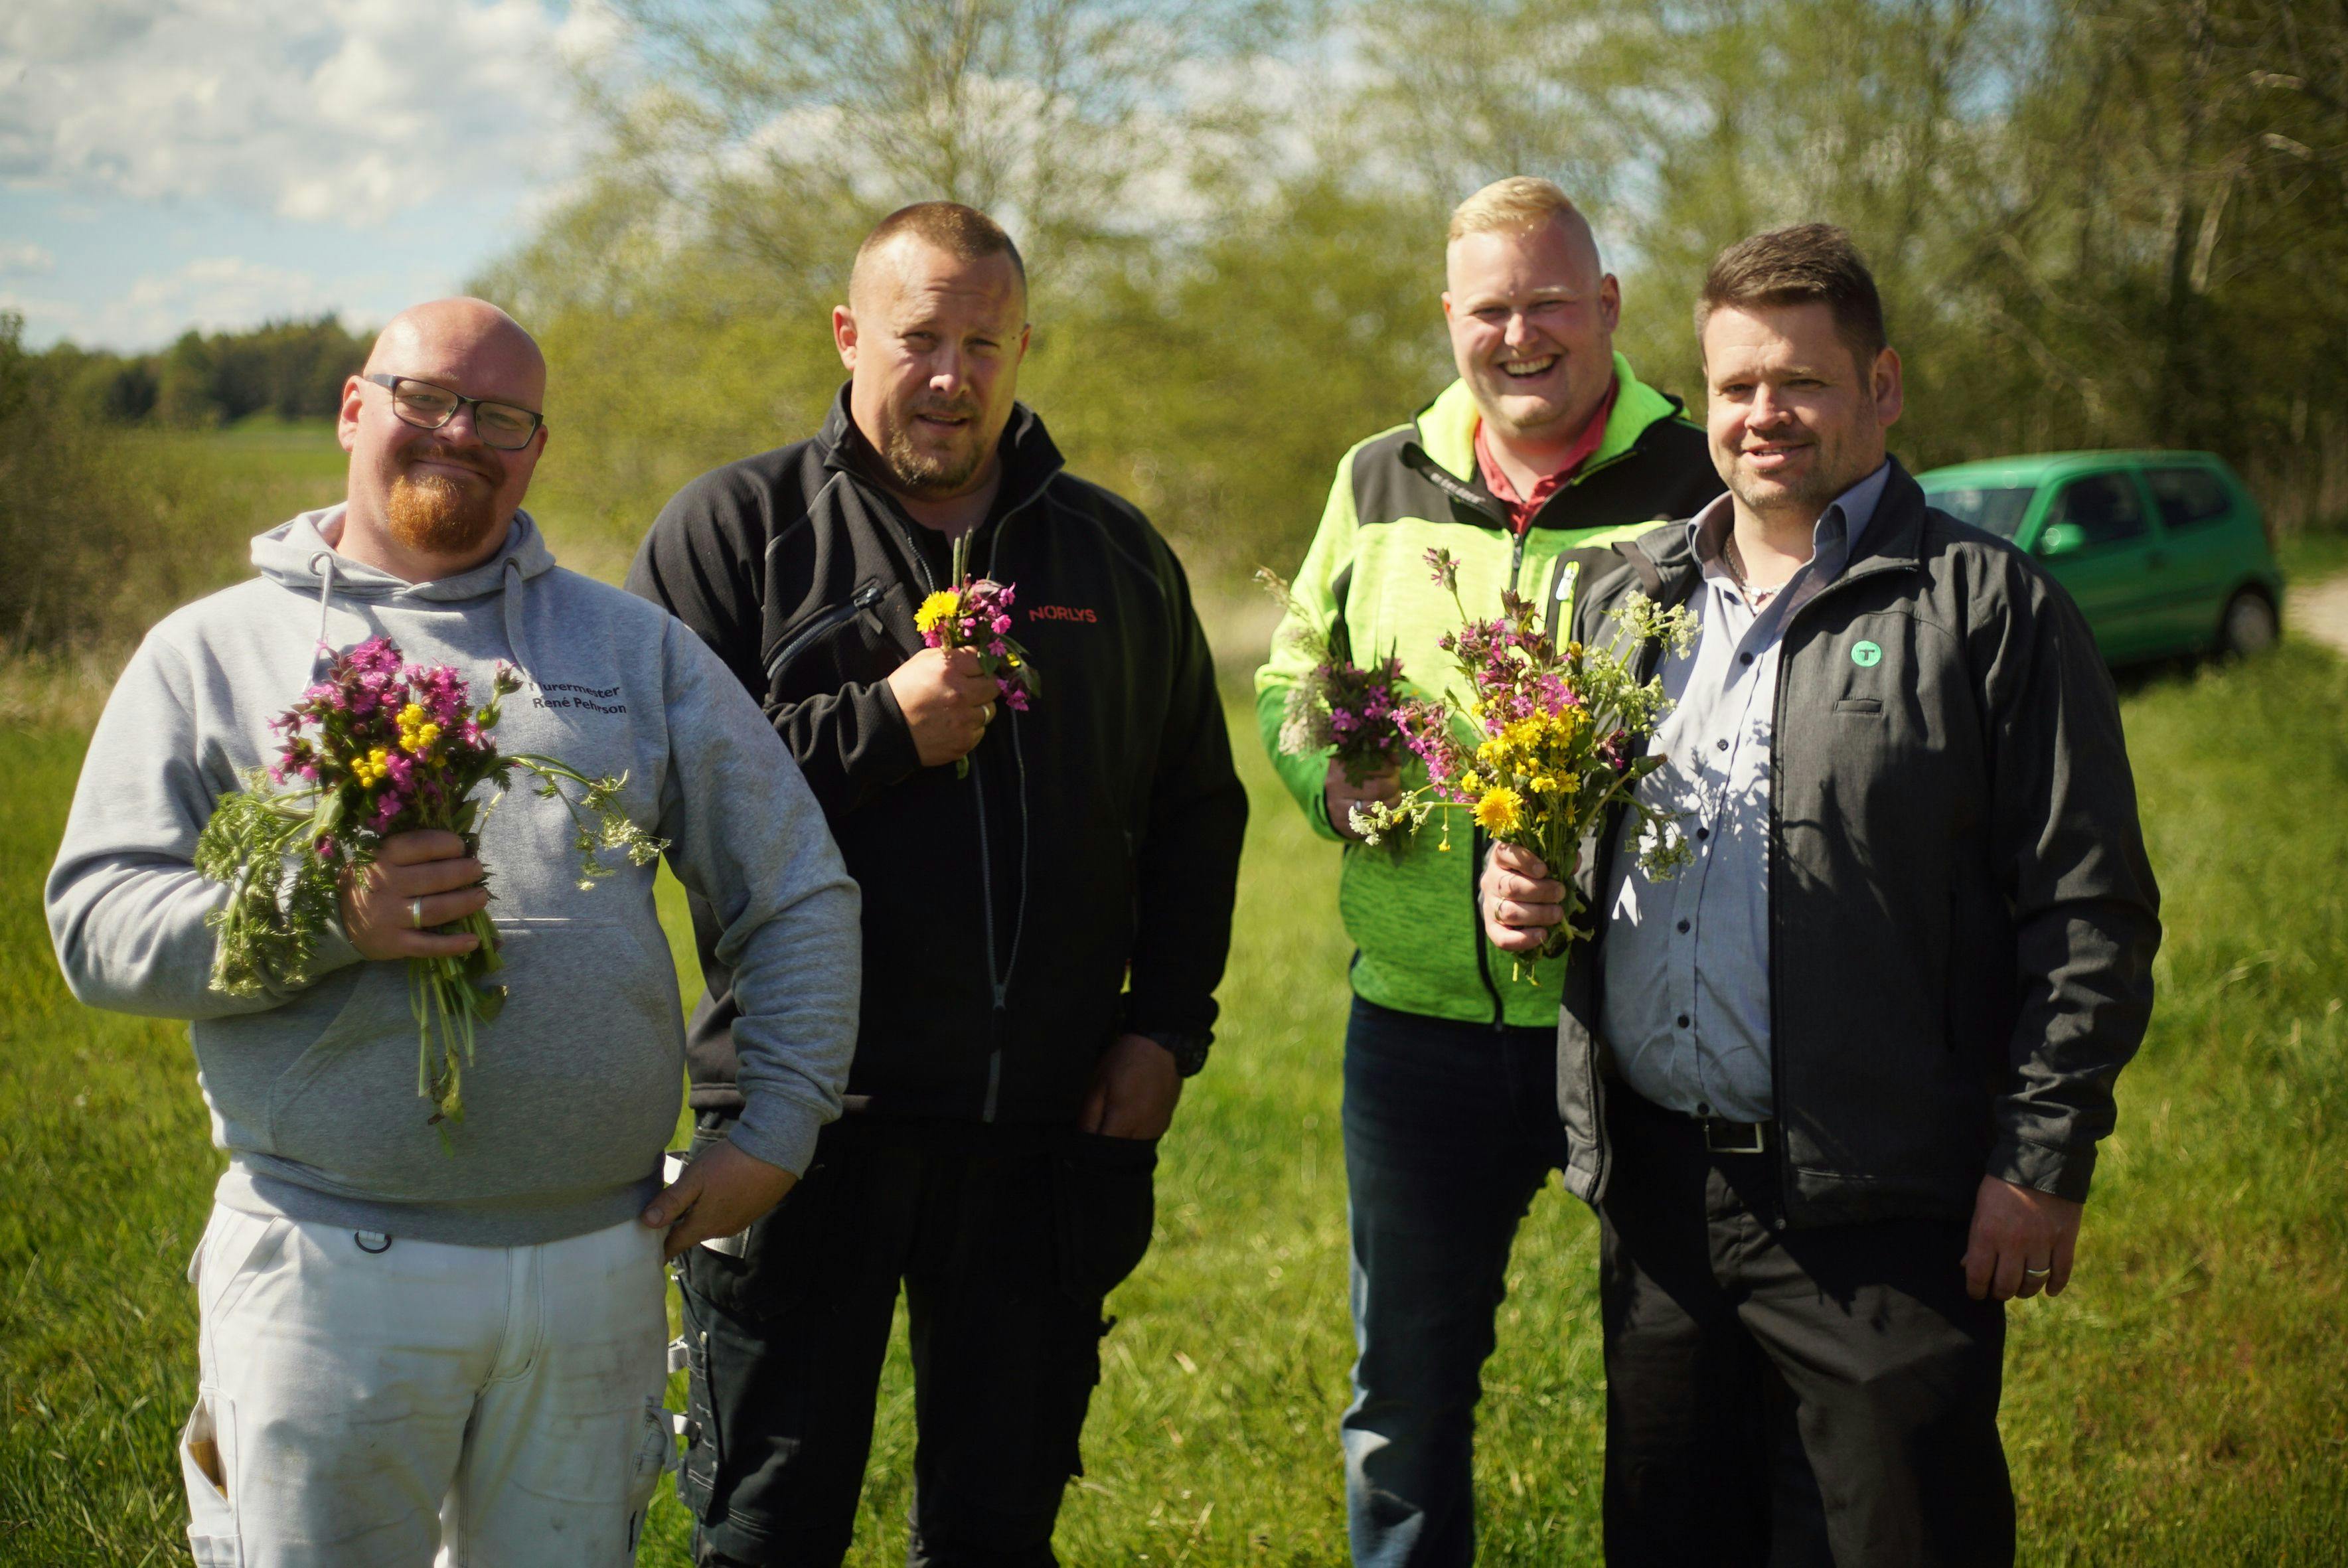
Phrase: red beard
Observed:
(434, 514)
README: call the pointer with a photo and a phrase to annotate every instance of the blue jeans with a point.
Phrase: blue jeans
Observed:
(1450, 1129)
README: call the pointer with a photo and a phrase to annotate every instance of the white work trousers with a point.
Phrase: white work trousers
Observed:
(368, 1402)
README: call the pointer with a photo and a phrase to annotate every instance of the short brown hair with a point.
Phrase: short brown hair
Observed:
(1520, 201)
(965, 233)
(1809, 263)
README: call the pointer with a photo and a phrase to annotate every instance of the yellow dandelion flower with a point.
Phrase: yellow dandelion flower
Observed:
(1500, 810)
(936, 610)
(1544, 785)
(1470, 784)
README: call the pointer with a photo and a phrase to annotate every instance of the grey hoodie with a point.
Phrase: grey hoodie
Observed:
(575, 1089)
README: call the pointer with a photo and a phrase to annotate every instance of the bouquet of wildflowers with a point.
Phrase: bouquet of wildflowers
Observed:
(380, 747)
(977, 616)
(1339, 705)
(1546, 740)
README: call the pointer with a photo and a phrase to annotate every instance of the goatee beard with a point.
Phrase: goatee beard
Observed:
(434, 514)
(919, 474)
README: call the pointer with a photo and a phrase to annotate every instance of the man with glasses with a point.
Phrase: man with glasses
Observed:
(417, 1338)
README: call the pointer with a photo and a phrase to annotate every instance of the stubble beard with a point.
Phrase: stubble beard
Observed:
(923, 473)
(433, 514)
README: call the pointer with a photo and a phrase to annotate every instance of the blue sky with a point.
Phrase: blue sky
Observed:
(214, 163)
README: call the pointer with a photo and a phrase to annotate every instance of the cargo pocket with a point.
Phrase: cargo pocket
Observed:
(207, 1450)
(698, 1468)
(1105, 1201)
(1104, 1205)
(655, 1456)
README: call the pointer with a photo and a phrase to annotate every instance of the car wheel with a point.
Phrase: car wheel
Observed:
(2248, 626)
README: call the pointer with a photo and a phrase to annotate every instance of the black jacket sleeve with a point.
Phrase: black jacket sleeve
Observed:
(2070, 853)
(1187, 865)
(705, 561)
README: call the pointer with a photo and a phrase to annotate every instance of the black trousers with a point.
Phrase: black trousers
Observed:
(1005, 1240)
(1787, 1398)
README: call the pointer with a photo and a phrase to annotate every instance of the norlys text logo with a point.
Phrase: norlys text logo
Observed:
(1062, 613)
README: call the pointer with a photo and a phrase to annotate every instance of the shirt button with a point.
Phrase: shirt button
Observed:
(1745, 658)
(1702, 1108)
(1703, 832)
(1684, 925)
(1720, 746)
(1684, 1020)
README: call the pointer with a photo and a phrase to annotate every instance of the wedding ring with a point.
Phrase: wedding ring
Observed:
(986, 714)
(2029, 1273)
(416, 913)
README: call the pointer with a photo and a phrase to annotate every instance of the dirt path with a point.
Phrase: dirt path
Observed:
(2322, 611)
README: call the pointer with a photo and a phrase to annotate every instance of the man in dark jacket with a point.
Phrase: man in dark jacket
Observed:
(1836, 1088)
(1042, 936)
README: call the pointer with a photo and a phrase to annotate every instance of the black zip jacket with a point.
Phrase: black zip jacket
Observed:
(1097, 832)
(1962, 915)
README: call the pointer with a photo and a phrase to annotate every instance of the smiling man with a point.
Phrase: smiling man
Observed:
(1836, 1088)
(419, 1339)
(1547, 447)
(1044, 934)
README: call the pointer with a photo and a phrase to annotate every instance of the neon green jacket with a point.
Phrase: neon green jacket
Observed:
(1410, 905)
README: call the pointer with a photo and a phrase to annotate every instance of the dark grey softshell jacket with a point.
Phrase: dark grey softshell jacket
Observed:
(1963, 918)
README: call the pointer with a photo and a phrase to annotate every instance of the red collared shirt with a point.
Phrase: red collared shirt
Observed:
(1522, 508)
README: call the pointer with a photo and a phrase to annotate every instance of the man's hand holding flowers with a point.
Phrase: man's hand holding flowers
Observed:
(426, 873)
(1345, 794)
(948, 700)
(1523, 901)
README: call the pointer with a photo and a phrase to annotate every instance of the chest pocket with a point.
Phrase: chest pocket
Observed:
(856, 639)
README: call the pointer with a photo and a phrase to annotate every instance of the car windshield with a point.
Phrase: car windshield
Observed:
(1998, 510)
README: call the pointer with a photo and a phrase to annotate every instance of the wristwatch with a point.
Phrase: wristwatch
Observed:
(1188, 1051)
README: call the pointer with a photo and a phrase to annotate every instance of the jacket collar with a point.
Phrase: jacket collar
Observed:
(1664, 561)
(1446, 427)
(1029, 457)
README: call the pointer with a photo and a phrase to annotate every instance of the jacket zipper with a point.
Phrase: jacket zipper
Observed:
(1785, 1162)
(821, 626)
(998, 981)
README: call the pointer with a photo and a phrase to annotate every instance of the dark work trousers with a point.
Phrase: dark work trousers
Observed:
(1787, 1398)
(1005, 1240)
(1450, 1129)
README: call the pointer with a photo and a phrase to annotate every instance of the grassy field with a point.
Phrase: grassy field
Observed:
(2186, 1403)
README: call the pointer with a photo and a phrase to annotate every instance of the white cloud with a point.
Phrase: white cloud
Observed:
(350, 111)
(211, 294)
(25, 260)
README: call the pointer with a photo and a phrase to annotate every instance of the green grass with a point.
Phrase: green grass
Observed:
(2186, 1402)
(2311, 555)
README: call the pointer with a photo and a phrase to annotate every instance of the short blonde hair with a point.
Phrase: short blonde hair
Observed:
(1515, 205)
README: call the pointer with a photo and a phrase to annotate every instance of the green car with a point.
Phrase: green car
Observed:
(2165, 552)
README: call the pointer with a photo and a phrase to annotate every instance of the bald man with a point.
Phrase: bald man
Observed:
(1044, 931)
(419, 1339)
(1546, 450)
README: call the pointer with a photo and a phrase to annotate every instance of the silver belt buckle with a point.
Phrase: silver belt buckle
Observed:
(1724, 1137)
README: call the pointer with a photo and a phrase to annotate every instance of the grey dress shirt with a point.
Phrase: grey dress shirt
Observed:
(1687, 960)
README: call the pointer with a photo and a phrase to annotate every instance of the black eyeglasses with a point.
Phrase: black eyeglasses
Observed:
(505, 426)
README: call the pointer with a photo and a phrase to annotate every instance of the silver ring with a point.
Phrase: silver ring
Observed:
(416, 913)
(986, 714)
(2029, 1273)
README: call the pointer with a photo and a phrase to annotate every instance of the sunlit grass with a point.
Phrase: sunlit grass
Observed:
(2186, 1402)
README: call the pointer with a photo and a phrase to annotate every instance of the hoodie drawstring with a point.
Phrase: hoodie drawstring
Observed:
(520, 646)
(325, 592)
